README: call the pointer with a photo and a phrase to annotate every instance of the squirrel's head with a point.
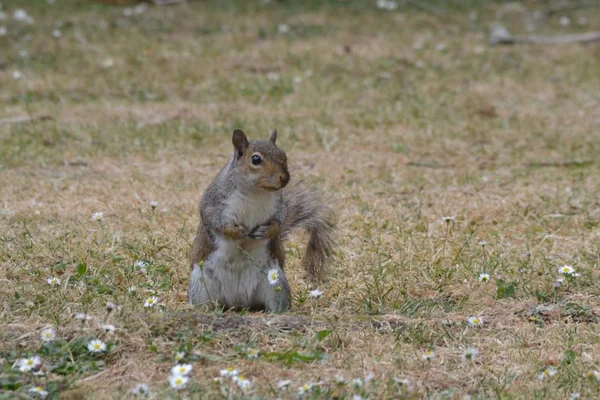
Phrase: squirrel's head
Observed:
(260, 162)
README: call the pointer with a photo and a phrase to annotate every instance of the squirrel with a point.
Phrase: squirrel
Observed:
(245, 215)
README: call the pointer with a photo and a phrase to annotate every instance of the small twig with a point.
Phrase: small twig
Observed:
(500, 35)
(167, 2)
(427, 164)
(569, 6)
(25, 118)
(571, 163)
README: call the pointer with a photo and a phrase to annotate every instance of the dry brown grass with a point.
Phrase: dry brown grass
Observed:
(505, 140)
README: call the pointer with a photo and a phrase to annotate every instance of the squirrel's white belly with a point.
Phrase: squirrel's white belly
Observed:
(252, 210)
(238, 268)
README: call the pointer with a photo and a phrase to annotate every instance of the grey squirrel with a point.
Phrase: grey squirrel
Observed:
(245, 214)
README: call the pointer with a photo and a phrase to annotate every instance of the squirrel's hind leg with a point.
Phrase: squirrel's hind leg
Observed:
(199, 289)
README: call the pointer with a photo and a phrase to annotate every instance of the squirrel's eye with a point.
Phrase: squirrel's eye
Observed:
(256, 160)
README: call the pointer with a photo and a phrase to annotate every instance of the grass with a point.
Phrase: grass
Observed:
(401, 117)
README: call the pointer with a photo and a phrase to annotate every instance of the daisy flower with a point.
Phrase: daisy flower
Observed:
(83, 317)
(357, 382)
(484, 277)
(151, 301)
(132, 289)
(53, 281)
(315, 294)
(483, 243)
(229, 372)
(566, 270)
(108, 328)
(17, 75)
(98, 216)
(38, 391)
(140, 389)
(470, 354)
(447, 219)
(574, 396)
(304, 389)
(141, 265)
(252, 353)
(3, 31)
(48, 335)
(283, 384)
(547, 373)
(388, 5)
(178, 382)
(27, 364)
(273, 276)
(181, 369)
(475, 321)
(96, 346)
(243, 383)
(428, 355)
(179, 355)
(401, 381)
(595, 375)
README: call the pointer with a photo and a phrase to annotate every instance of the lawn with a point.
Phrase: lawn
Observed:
(465, 177)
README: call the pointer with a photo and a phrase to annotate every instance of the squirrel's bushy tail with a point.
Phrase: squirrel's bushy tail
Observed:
(305, 209)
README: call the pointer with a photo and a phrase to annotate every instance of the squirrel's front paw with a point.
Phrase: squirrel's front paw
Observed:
(235, 231)
(265, 231)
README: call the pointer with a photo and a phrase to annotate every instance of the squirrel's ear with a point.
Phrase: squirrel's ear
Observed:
(240, 142)
(273, 136)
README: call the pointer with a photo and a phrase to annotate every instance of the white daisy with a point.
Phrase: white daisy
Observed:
(154, 204)
(564, 21)
(574, 396)
(98, 216)
(475, 321)
(22, 16)
(181, 369)
(243, 383)
(470, 354)
(110, 306)
(48, 335)
(340, 380)
(283, 28)
(448, 219)
(547, 373)
(132, 289)
(484, 277)
(83, 316)
(53, 281)
(401, 381)
(38, 391)
(483, 243)
(3, 31)
(108, 328)
(140, 389)
(252, 353)
(357, 382)
(273, 276)
(304, 389)
(17, 75)
(595, 375)
(566, 270)
(178, 382)
(428, 355)
(151, 301)
(27, 364)
(96, 346)
(387, 5)
(56, 33)
(179, 355)
(283, 384)
(315, 294)
(141, 265)
(357, 397)
(229, 372)
(108, 63)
